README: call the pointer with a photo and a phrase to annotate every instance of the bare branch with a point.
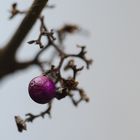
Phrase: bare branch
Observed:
(24, 27)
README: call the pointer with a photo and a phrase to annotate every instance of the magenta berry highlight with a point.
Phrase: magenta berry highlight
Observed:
(42, 89)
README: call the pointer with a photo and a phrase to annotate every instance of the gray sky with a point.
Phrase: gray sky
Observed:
(112, 82)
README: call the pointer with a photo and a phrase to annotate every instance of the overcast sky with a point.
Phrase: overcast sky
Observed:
(112, 83)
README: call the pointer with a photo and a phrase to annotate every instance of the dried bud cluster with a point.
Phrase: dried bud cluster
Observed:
(15, 11)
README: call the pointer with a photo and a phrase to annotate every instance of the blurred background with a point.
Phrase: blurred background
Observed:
(112, 83)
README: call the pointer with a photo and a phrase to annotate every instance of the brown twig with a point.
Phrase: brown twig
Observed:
(65, 86)
(21, 123)
(15, 11)
(7, 54)
(31, 117)
(25, 26)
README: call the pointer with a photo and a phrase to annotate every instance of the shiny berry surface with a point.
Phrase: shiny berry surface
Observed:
(42, 89)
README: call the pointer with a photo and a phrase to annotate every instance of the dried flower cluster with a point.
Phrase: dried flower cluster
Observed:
(64, 86)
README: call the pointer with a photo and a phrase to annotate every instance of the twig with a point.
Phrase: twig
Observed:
(8, 62)
(64, 86)
(31, 117)
(24, 27)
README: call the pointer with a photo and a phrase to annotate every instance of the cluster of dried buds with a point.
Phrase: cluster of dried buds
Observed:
(51, 83)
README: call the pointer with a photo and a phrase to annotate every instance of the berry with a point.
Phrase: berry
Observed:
(42, 89)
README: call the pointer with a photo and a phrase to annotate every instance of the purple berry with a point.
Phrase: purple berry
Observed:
(42, 89)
